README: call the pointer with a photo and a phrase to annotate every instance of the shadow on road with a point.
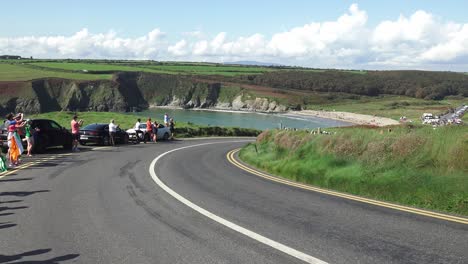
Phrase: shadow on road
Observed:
(22, 194)
(16, 180)
(12, 201)
(13, 258)
(5, 208)
(7, 225)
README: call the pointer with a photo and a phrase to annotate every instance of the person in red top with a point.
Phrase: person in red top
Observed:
(149, 129)
(75, 127)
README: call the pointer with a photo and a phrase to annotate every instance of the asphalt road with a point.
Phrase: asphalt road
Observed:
(103, 206)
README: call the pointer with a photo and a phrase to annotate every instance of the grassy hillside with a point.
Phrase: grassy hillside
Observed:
(127, 121)
(390, 106)
(19, 72)
(416, 166)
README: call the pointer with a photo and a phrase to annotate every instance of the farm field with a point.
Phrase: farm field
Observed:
(19, 72)
(390, 106)
(194, 69)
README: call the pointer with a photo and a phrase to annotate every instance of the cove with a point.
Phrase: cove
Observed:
(255, 120)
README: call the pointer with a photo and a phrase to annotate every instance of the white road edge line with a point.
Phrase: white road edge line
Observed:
(276, 245)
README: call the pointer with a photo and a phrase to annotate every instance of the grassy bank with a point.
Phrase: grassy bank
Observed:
(416, 166)
(127, 121)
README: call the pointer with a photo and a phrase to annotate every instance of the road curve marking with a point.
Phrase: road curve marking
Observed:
(232, 159)
(32, 163)
(276, 245)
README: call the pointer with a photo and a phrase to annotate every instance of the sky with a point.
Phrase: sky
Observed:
(366, 34)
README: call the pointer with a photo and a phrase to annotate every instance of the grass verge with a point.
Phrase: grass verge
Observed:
(411, 165)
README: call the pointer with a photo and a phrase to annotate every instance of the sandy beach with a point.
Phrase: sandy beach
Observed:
(358, 119)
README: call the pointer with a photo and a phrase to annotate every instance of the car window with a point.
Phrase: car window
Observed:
(54, 125)
(43, 124)
(106, 128)
(161, 126)
(93, 127)
(142, 126)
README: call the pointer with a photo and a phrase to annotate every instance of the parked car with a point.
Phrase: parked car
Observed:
(99, 134)
(163, 133)
(50, 134)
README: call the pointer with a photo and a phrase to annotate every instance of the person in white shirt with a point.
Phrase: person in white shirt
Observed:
(138, 133)
(112, 131)
(166, 119)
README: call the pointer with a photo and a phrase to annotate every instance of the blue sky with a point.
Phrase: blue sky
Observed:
(231, 30)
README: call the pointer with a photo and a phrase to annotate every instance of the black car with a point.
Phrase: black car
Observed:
(49, 134)
(99, 134)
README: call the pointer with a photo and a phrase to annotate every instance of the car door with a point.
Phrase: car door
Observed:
(119, 134)
(56, 134)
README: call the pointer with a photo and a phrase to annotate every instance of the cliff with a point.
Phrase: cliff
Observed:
(128, 91)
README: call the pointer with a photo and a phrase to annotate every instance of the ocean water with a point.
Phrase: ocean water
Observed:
(241, 119)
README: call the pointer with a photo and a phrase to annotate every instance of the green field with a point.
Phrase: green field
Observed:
(29, 69)
(412, 165)
(19, 72)
(390, 106)
(194, 69)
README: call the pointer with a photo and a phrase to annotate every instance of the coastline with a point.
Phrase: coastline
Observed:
(346, 117)
(357, 119)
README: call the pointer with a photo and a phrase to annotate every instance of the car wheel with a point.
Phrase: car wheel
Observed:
(82, 143)
(40, 148)
(5, 150)
(166, 136)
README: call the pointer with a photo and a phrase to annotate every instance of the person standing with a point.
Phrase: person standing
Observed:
(75, 126)
(138, 131)
(166, 119)
(29, 137)
(171, 128)
(149, 129)
(155, 131)
(112, 131)
(15, 147)
(3, 163)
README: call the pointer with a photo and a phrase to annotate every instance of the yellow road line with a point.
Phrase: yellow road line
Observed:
(29, 164)
(231, 159)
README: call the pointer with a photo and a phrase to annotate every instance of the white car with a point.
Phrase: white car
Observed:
(163, 133)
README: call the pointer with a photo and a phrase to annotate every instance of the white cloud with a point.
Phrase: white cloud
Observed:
(179, 49)
(420, 40)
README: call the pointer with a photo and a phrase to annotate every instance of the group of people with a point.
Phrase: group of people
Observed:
(152, 128)
(13, 124)
(16, 125)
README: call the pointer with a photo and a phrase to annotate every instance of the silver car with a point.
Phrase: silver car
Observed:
(163, 133)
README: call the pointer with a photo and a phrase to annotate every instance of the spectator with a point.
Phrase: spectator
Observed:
(149, 129)
(171, 128)
(112, 131)
(155, 131)
(138, 131)
(15, 148)
(75, 126)
(166, 119)
(29, 137)
(3, 164)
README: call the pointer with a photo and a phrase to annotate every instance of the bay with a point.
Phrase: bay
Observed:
(260, 121)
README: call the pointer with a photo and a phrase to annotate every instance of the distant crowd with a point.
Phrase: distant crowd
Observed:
(20, 130)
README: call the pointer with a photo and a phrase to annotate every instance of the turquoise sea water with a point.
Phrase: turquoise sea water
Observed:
(240, 119)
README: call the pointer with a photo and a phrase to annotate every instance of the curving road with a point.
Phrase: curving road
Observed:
(104, 206)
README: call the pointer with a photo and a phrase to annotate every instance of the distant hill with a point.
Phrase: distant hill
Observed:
(253, 63)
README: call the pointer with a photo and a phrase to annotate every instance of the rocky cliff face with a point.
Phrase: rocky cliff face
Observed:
(125, 92)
